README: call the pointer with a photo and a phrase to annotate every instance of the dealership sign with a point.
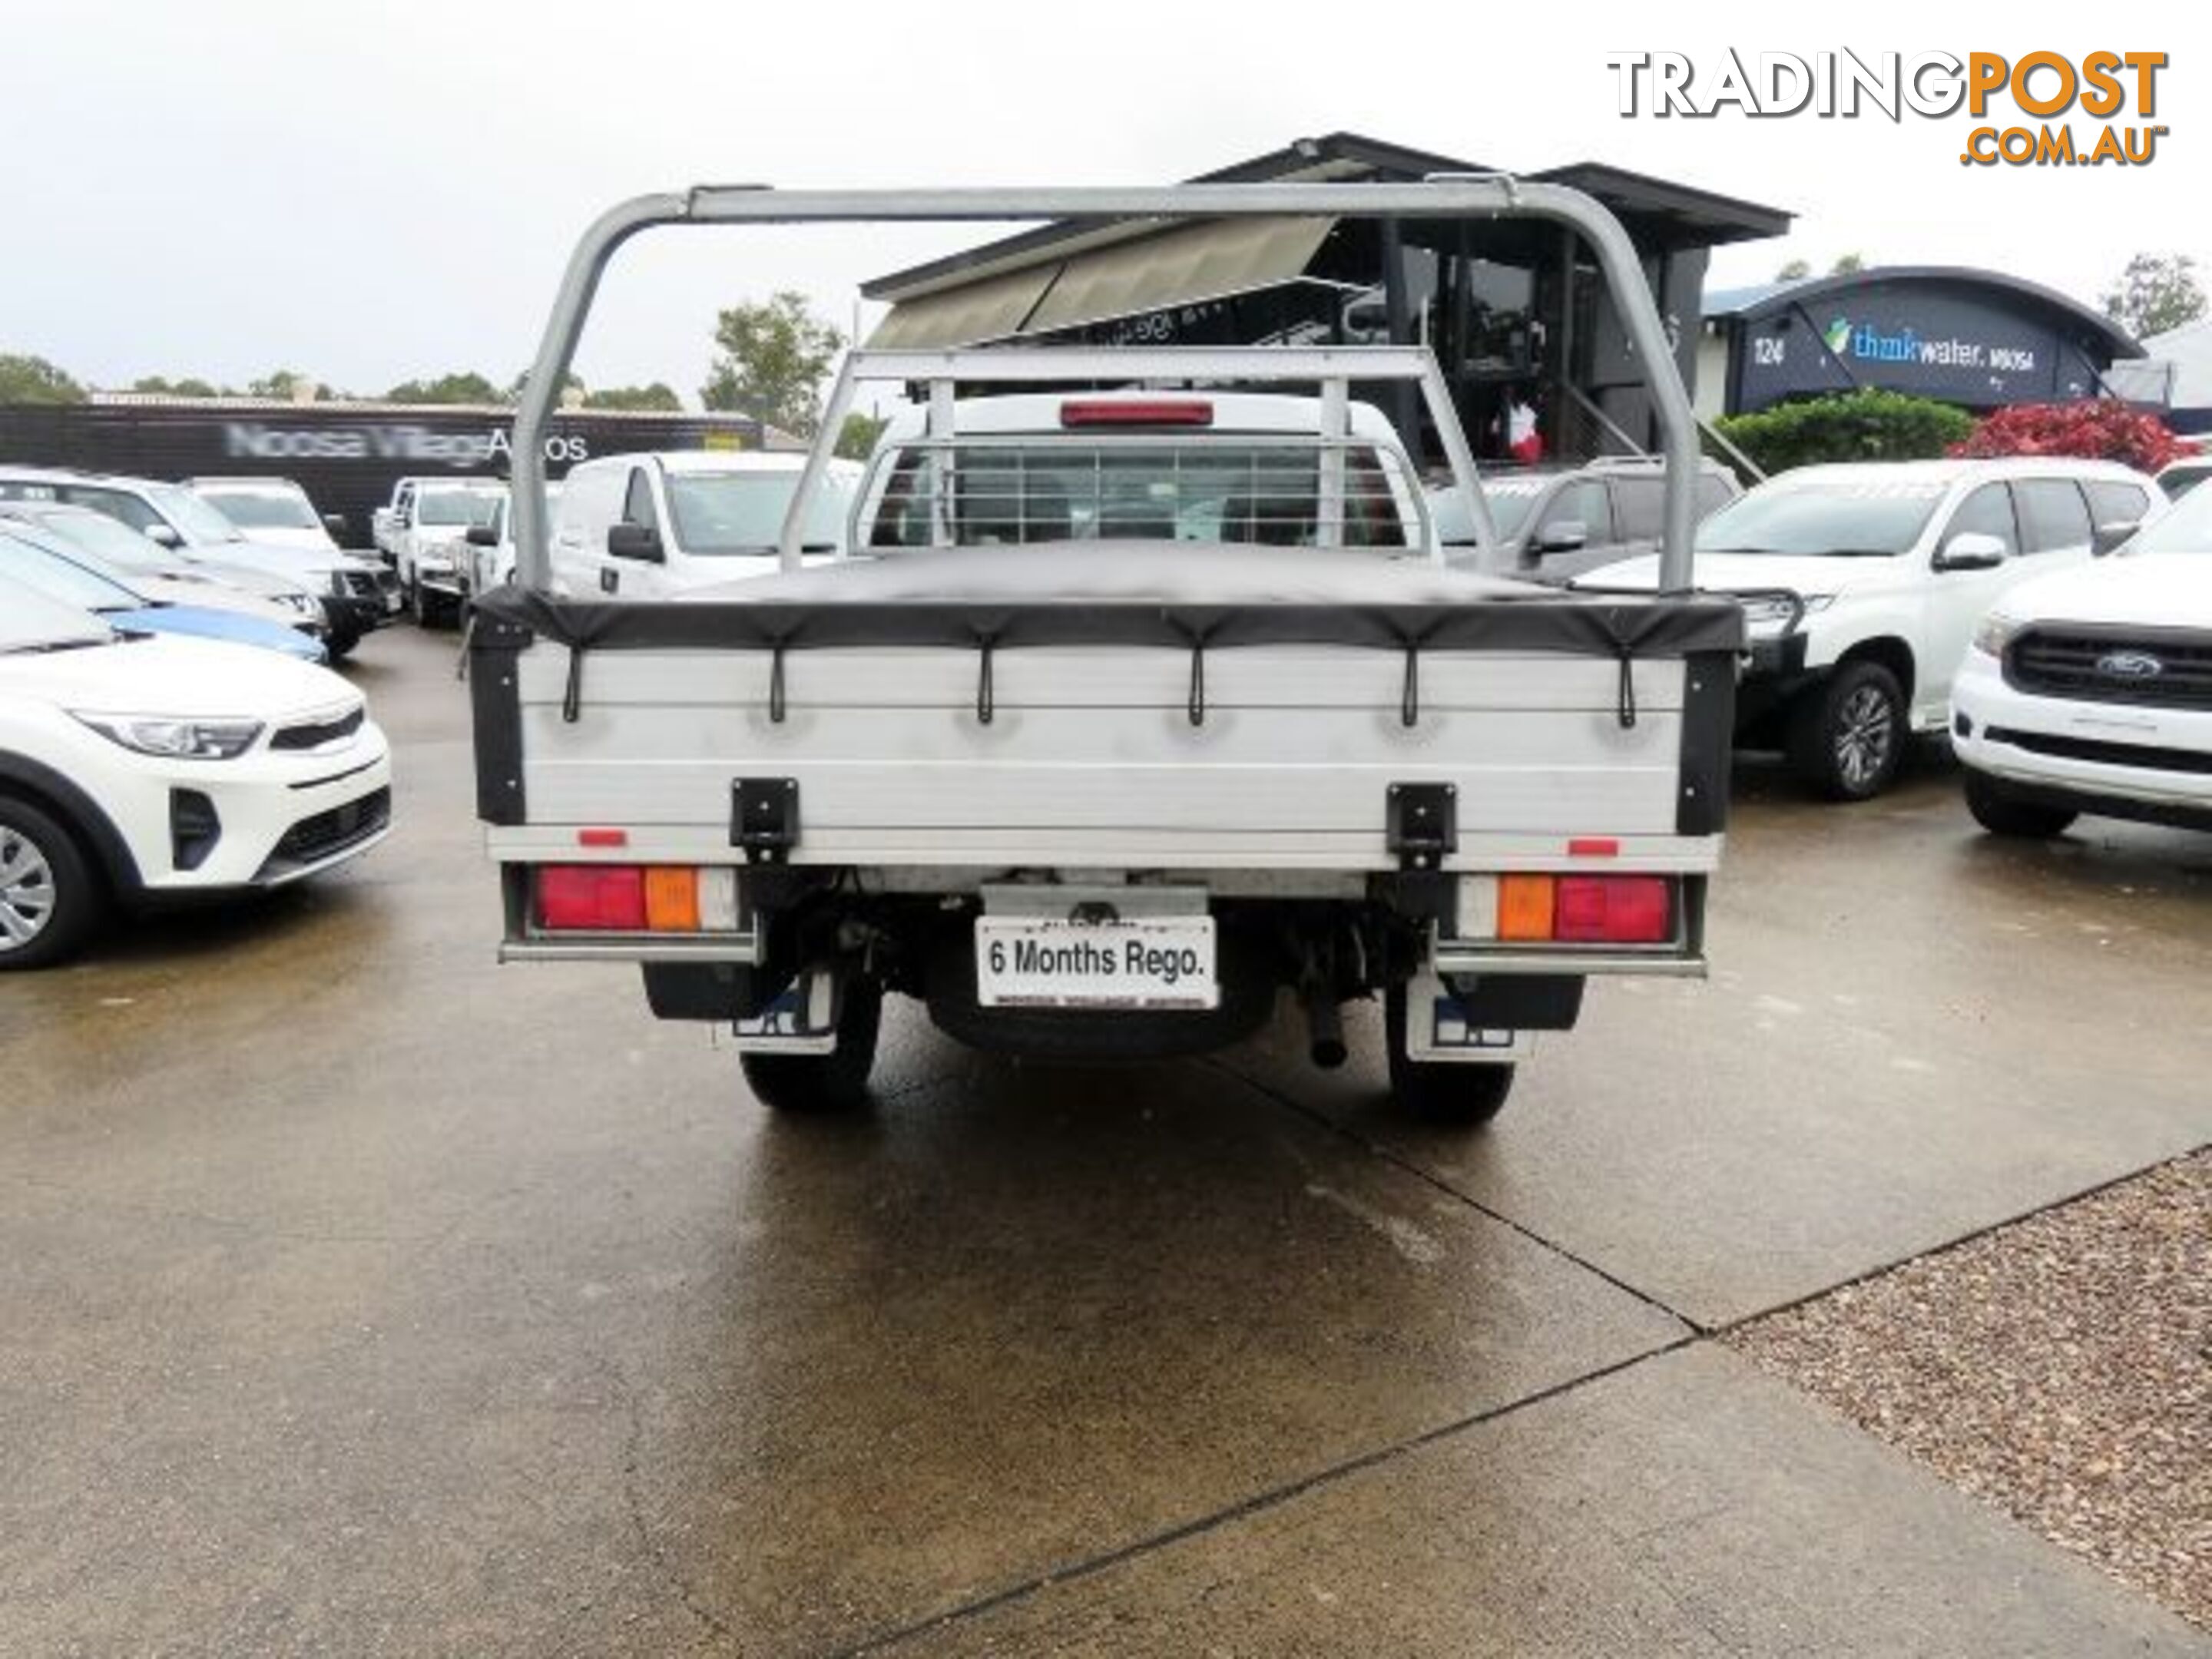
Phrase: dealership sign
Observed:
(1915, 337)
(406, 442)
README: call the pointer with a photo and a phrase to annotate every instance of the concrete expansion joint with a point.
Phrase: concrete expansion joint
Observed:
(1258, 1503)
(1429, 1178)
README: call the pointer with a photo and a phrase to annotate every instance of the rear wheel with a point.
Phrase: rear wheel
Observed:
(1465, 1094)
(835, 1082)
(2007, 815)
(49, 899)
(1848, 735)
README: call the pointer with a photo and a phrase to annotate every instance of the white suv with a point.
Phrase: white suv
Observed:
(2091, 691)
(134, 769)
(1863, 584)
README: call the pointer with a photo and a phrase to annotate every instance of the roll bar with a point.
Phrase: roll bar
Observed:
(1444, 196)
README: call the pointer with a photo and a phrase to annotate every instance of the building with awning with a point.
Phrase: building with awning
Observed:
(1512, 307)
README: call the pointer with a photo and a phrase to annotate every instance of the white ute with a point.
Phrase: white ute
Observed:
(1129, 712)
(427, 540)
(2091, 691)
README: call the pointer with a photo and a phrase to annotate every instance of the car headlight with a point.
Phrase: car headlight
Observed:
(176, 740)
(1772, 610)
(305, 603)
(1995, 632)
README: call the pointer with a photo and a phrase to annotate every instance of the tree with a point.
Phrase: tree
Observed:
(2095, 428)
(572, 385)
(774, 356)
(856, 438)
(189, 387)
(1869, 424)
(1848, 264)
(657, 396)
(2157, 292)
(26, 380)
(1795, 272)
(286, 385)
(469, 387)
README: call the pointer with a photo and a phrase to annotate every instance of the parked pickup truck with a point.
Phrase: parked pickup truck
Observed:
(425, 536)
(2090, 690)
(1127, 712)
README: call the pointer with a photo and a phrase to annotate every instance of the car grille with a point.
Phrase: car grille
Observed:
(329, 833)
(316, 733)
(368, 584)
(2169, 669)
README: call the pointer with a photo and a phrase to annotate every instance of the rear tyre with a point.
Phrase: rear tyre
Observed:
(820, 1084)
(1847, 735)
(2005, 815)
(50, 898)
(1460, 1094)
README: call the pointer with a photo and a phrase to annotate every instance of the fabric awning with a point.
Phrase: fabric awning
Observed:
(1178, 266)
(1181, 266)
(992, 309)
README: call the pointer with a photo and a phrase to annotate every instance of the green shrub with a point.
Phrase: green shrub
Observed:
(1867, 425)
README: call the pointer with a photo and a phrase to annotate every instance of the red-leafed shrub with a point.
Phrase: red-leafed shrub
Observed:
(2095, 428)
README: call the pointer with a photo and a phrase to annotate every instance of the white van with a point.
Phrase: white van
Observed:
(648, 526)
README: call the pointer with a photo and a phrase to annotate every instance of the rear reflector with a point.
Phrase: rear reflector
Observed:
(1615, 910)
(591, 898)
(1524, 907)
(672, 899)
(1148, 412)
(602, 838)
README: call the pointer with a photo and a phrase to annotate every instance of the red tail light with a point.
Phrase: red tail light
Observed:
(1614, 910)
(1149, 411)
(592, 897)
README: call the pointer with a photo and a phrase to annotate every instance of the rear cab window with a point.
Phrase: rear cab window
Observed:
(1015, 491)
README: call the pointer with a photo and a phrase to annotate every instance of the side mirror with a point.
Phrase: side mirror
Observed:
(164, 535)
(1563, 536)
(334, 524)
(1971, 550)
(634, 541)
(482, 535)
(2106, 537)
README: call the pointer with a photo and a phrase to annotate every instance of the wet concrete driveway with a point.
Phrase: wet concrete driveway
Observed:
(359, 1297)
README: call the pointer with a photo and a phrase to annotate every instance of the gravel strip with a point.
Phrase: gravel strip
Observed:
(2060, 1368)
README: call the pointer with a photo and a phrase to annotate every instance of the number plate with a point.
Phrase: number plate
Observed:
(1150, 962)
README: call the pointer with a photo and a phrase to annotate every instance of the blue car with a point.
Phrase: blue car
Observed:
(65, 579)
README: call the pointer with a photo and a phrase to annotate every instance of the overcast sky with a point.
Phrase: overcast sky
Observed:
(372, 193)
